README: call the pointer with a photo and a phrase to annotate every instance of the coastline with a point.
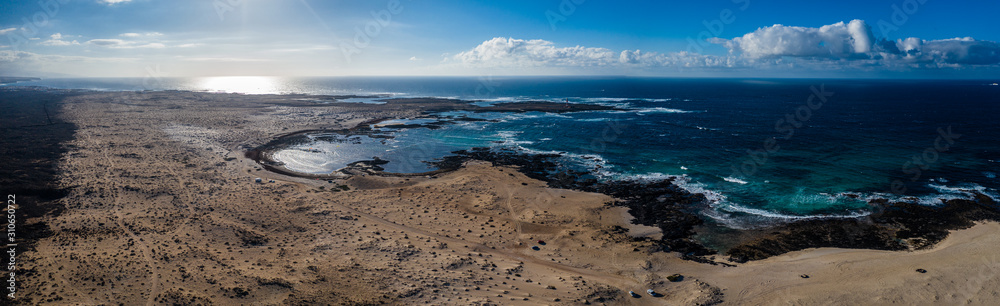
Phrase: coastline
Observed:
(678, 212)
(396, 239)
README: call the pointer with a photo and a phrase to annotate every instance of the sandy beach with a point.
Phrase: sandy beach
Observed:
(161, 207)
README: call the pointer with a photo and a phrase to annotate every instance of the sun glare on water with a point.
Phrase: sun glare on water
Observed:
(241, 84)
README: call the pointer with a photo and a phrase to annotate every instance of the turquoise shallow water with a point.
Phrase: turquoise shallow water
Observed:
(763, 150)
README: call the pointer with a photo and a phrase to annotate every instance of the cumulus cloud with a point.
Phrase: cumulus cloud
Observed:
(837, 40)
(508, 52)
(843, 47)
(854, 41)
(955, 51)
(638, 58)
(511, 51)
(56, 40)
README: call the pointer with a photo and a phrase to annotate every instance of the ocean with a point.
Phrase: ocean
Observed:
(762, 150)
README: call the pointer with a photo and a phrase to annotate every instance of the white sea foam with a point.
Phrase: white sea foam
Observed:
(738, 216)
(734, 180)
(597, 165)
(523, 116)
(967, 190)
(606, 99)
(734, 215)
(647, 177)
(660, 110)
(769, 217)
(306, 162)
(510, 138)
(955, 190)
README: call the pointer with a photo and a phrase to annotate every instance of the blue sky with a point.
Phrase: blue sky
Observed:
(726, 38)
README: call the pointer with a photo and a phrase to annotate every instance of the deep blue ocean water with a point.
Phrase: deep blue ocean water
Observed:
(764, 150)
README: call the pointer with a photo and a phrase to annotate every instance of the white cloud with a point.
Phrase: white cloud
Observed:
(113, 2)
(121, 44)
(29, 58)
(840, 47)
(7, 30)
(415, 59)
(519, 52)
(28, 63)
(955, 51)
(222, 59)
(56, 40)
(14, 56)
(107, 42)
(152, 45)
(134, 35)
(508, 52)
(837, 40)
(854, 42)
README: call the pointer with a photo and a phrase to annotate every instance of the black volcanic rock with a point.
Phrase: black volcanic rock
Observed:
(894, 226)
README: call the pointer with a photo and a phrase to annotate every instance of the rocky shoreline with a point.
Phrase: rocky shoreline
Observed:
(427, 106)
(893, 226)
(663, 204)
(676, 212)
